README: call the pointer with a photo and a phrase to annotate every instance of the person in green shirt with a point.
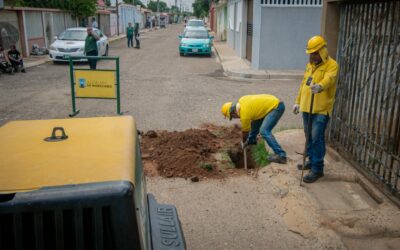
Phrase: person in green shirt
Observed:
(137, 36)
(129, 34)
(91, 46)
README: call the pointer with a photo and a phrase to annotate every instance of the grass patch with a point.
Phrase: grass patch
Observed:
(206, 166)
(259, 154)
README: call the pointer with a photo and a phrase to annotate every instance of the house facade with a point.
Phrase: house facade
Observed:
(272, 34)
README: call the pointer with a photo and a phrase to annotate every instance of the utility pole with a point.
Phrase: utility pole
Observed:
(158, 12)
(117, 17)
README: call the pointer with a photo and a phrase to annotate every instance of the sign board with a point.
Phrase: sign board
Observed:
(95, 83)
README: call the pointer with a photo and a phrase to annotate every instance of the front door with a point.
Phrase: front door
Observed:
(249, 39)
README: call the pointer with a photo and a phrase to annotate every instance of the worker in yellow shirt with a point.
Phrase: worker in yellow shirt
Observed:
(258, 114)
(319, 80)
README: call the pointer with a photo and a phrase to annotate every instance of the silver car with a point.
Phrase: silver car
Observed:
(71, 42)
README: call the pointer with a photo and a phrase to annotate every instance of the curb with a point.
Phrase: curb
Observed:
(266, 76)
(43, 61)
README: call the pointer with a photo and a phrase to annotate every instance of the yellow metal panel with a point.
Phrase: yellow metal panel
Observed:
(95, 83)
(97, 150)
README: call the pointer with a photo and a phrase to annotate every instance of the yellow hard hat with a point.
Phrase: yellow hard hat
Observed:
(315, 43)
(225, 109)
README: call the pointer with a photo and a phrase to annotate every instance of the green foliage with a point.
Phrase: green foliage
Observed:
(201, 8)
(82, 8)
(135, 2)
(152, 5)
(206, 166)
(260, 154)
(78, 8)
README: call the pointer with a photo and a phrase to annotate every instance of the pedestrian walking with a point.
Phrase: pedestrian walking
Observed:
(91, 46)
(319, 85)
(15, 58)
(258, 114)
(94, 23)
(137, 36)
(129, 34)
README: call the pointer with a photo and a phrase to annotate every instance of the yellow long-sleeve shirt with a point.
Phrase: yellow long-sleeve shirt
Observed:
(325, 75)
(255, 107)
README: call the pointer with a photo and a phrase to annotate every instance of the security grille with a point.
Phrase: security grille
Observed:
(365, 124)
(86, 228)
(291, 3)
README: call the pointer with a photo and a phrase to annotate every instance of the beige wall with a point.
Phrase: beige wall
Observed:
(9, 35)
(330, 25)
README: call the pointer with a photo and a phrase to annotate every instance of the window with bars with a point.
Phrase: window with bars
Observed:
(291, 3)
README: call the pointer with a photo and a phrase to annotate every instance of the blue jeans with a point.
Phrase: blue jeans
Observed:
(130, 40)
(265, 125)
(316, 146)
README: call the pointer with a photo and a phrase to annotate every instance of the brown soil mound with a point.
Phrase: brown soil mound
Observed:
(183, 154)
(192, 153)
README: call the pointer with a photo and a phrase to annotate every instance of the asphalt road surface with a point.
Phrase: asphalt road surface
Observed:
(158, 87)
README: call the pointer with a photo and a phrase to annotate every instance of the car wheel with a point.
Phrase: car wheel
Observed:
(181, 54)
(106, 53)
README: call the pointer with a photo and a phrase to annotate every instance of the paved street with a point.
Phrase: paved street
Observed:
(165, 91)
(158, 87)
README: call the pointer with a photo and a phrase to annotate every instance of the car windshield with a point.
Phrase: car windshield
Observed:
(195, 23)
(76, 35)
(199, 34)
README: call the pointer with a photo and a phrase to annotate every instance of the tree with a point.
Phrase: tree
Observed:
(82, 8)
(135, 2)
(78, 8)
(153, 6)
(201, 8)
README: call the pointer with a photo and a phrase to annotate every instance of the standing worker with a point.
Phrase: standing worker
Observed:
(91, 46)
(137, 36)
(129, 34)
(258, 114)
(319, 80)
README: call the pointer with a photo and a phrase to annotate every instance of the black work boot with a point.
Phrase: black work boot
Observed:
(306, 167)
(312, 177)
(277, 159)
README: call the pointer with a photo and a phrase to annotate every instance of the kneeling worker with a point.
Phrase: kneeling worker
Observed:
(258, 114)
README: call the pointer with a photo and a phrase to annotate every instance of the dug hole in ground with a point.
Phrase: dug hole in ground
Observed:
(223, 206)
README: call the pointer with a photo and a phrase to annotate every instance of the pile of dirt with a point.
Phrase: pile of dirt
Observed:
(192, 153)
(182, 154)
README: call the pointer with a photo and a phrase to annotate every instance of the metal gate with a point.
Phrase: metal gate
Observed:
(365, 124)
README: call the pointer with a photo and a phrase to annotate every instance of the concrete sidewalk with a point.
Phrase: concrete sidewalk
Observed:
(33, 61)
(235, 66)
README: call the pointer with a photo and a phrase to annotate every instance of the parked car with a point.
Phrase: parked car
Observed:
(71, 42)
(195, 41)
(195, 23)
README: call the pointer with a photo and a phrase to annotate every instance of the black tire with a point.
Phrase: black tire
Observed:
(106, 53)
(181, 54)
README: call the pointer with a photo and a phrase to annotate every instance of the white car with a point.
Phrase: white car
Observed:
(72, 43)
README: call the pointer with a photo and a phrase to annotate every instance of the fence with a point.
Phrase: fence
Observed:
(365, 124)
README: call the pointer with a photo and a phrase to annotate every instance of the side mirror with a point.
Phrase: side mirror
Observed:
(55, 38)
(180, 36)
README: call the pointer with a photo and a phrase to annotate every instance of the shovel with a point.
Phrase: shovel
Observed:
(244, 154)
(308, 136)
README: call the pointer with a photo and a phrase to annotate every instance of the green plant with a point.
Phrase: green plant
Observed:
(206, 166)
(259, 154)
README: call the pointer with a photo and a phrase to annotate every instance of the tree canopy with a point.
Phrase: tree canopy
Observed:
(135, 2)
(152, 5)
(78, 8)
(201, 8)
